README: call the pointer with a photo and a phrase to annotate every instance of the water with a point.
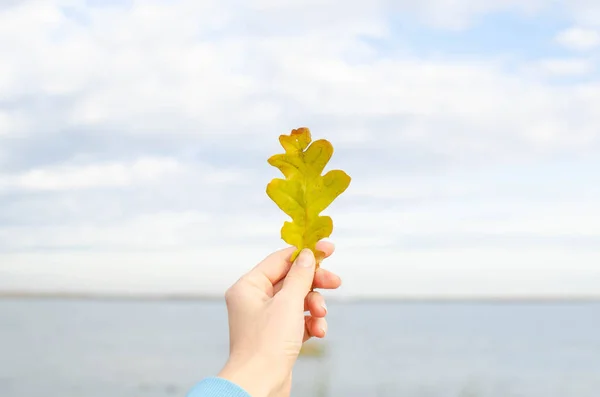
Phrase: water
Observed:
(60, 348)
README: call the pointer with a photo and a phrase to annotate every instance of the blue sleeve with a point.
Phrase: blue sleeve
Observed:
(217, 387)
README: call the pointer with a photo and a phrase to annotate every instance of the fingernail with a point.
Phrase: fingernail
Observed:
(324, 306)
(326, 240)
(306, 258)
(324, 329)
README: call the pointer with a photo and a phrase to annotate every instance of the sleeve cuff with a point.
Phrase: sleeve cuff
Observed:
(217, 387)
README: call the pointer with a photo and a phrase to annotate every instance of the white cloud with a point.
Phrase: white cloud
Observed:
(460, 14)
(143, 171)
(6, 123)
(467, 272)
(179, 104)
(580, 39)
(155, 80)
(474, 240)
(93, 176)
(378, 271)
(566, 67)
(584, 12)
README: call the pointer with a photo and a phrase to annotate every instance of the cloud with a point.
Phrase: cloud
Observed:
(565, 67)
(462, 14)
(90, 176)
(7, 124)
(585, 12)
(579, 39)
(134, 139)
(270, 80)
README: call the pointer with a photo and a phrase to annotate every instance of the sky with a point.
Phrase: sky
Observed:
(134, 138)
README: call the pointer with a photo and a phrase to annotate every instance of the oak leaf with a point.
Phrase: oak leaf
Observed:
(305, 193)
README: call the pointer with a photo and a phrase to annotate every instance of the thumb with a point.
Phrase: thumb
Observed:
(299, 279)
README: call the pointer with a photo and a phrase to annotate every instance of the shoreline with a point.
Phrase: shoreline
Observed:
(82, 296)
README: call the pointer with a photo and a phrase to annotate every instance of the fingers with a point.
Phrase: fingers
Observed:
(324, 279)
(299, 280)
(314, 327)
(315, 304)
(326, 247)
(275, 266)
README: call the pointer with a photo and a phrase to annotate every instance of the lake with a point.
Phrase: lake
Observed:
(77, 348)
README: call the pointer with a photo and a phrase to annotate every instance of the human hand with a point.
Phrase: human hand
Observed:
(267, 325)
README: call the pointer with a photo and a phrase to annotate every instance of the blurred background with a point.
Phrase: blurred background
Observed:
(134, 138)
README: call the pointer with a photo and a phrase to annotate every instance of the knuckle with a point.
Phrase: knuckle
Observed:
(239, 291)
(232, 294)
(228, 295)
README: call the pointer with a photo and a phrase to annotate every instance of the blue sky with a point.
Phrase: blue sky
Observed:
(134, 138)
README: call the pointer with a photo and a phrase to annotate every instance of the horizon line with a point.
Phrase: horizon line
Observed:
(80, 295)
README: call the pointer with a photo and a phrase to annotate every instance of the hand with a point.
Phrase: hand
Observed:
(267, 325)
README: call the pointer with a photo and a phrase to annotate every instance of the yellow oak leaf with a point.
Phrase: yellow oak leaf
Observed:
(305, 193)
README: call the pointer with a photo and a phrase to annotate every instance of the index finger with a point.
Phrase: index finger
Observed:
(275, 266)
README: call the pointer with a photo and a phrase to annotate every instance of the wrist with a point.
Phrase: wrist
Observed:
(252, 375)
